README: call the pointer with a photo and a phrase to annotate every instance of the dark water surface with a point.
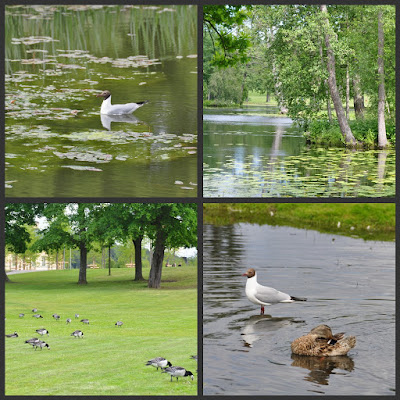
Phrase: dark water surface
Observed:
(58, 58)
(350, 286)
(254, 152)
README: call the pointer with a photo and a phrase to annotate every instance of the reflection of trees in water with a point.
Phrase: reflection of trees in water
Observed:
(382, 155)
(222, 243)
(322, 367)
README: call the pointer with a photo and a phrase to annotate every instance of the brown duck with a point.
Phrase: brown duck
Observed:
(321, 342)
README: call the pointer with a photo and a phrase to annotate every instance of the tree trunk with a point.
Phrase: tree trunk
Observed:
(109, 260)
(83, 261)
(157, 261)
(267, 97)
(358, 98)
(56, 259)
(243, 84)
(343, 123)
(347, 93)
(138, 258)
(382, 139)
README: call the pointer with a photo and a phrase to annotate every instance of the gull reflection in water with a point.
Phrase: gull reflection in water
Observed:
(258, 325)
(128, 118)
(322, 367)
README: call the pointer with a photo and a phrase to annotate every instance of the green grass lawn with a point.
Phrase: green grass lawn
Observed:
(108, 360)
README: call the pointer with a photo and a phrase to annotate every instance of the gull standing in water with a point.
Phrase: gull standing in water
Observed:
(264, 295)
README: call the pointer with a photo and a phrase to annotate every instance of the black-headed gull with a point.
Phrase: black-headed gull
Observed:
(177, 372)
(117, 109)
(264, 295)
(321, 342)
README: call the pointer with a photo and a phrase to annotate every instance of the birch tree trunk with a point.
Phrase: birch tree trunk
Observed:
(382, 139)
(343, 123)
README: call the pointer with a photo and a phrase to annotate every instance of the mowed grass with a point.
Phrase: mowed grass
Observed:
(108, 360)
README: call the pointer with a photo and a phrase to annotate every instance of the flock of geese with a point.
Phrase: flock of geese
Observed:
(158, 362)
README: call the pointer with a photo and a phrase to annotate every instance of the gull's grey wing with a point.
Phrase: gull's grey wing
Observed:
(270, 295)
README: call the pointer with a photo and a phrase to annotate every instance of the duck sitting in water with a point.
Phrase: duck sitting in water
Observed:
(321, 342)
(117, 109)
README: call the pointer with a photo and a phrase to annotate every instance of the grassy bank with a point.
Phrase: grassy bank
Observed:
(324, 133)
(368, 221)
(108, 360)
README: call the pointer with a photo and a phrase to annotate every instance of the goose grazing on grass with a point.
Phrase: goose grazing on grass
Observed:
(159, 362)
(194, 358)
(37, 316)
(77, 334)
(117, 109)
(40, 344)
(177, 372)
(119, 323)
(85, 321)
(56, 317)
(21, 315)
(69, 320)
(264, 295)
(321, 342)
(15, 334)
(34, 310)
(42, 331)
(32, 341)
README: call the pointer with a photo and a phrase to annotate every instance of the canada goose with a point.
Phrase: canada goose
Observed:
(159, 362)
(321, 342)
(21, 315)
(76, 315)
(194, 357)
(37, 316)
(85, 321)
(177, 372)
(69, 320)
(264, 295)
(40, 344)
(119, 323)
(56, 317)
(77, 334)
(34, 310)
(42, 331)
(15, 334)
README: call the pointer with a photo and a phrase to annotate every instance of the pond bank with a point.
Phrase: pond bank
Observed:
(367, 221)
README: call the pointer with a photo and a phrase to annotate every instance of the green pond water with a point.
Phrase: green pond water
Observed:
(253, 152)
(58, 58)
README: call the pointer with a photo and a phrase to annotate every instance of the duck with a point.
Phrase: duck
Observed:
(117, 109)
(178, 372)
(159, 362)
(77, 334)
(40, 344)
(85, 321)
(321, 342)
(69, 320)
(15, 334)
(264, 295)
(119, 323)
(42, 331)
(37, 316)
(21, 315)
(56, 317)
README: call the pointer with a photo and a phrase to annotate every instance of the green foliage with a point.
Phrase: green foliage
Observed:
(108, 361)
(223, 23)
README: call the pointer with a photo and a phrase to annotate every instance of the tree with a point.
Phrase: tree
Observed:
(223, 24)
(382, 139)
(75, 219)
(18, 216)
(171, 225)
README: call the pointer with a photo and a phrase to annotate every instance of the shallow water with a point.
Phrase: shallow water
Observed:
(58, 58)
(350, 286)
(252, 152)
